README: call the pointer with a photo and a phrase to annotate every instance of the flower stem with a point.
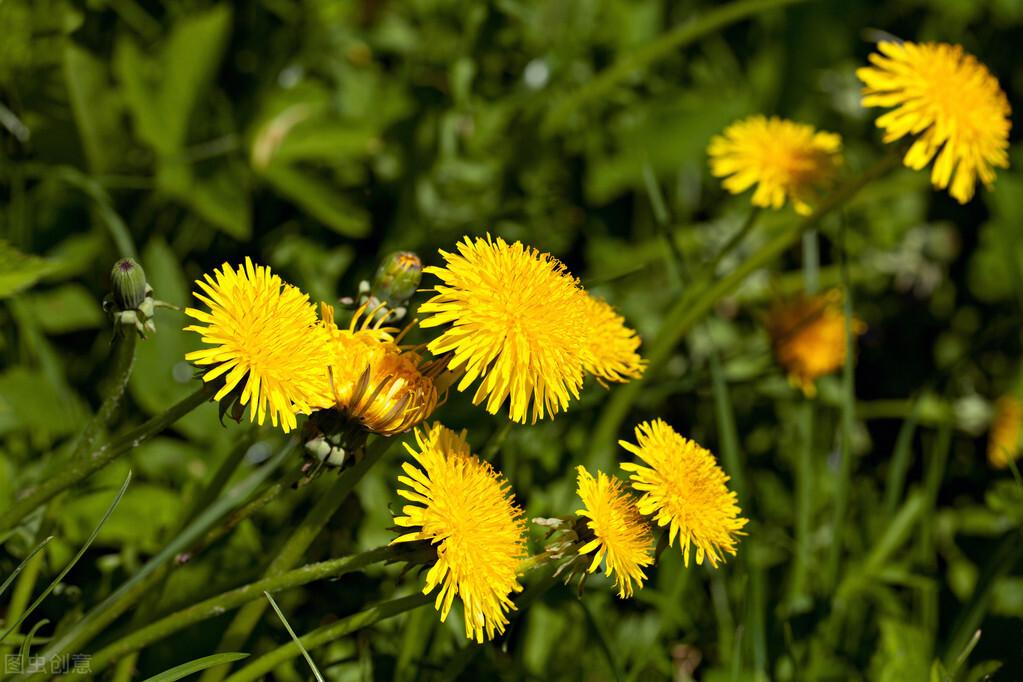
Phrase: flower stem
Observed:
(294, 549)
(253, 592)
(325, 635)
(81, 469)
(122, 360)
(700, 299)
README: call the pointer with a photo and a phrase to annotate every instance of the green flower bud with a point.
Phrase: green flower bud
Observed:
(397, 278)
(128, 281)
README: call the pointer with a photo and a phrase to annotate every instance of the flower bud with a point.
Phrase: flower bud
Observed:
(397, 278)
(128, 282)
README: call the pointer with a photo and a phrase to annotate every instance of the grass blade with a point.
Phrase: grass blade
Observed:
(198, 665)
(71, 564)
(294, 637)
(26, 643)
(23, 564)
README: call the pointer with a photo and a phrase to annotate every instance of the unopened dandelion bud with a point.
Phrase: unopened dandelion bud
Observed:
(397, 278)
(128, 283)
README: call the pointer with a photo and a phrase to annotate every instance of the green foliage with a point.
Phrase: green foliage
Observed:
(318, 136)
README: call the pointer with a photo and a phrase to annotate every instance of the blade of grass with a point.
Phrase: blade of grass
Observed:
(198, 665)
(1002, 562)
(10, 579)
(799, 598)
(29, 638)
(94, 622)
(294, 637)
(901, 459)
(71, 564)
(329, 633)
(935, 472)
(602, 642)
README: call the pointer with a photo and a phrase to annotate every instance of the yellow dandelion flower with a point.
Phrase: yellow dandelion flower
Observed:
(512, 319)
(808, 337)
(372, 380)
(684, 488)
(609, 348)
(622, 538)
(264, 331)
(948, 101)
(785, 160)
(1003, 444)
(465, 509)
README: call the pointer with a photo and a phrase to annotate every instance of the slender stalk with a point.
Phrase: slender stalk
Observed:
(848, 416)
(935, 472)
(901, 459)
(215, 606)
(799, 598)
(294, 549)
(327, 634)
(732, 244)
(81, 469)
(692, 307)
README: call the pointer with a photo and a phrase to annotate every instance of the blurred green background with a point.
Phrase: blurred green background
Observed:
(317, 136)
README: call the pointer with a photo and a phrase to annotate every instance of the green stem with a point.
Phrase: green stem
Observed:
(214, 606)
(327, 634)
(667, 44)
(294, 549)
(935, 472)
(799, 599)
(848, 416)
(81, 469)
(732, 244)
(691, 308)
(122, 360)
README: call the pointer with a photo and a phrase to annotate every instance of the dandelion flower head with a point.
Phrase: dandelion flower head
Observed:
(512, 319)
(462, 506)
(610, 349)
(373, 380)
(949, 103)
(264, 332)
(808, 337)
(622, 538)
(683, 487)
(785, 160)
(1004, 441)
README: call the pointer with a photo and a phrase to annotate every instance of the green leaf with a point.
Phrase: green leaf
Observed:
(294, 637)
(96, 108)
(19, 271)
(198, 665)
(67, 308)
(320, 200)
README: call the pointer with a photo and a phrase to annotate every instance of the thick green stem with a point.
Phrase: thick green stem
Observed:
(81, 469)
(293, 550)
(215, 606)
(325, 635)
(122, 360)
(691, 308)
